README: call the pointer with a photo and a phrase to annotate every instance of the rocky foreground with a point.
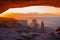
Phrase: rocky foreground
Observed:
(9, 34)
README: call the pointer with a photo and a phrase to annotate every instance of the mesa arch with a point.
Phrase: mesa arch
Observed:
(6, 4)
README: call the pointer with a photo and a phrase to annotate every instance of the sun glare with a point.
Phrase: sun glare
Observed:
(38, 9)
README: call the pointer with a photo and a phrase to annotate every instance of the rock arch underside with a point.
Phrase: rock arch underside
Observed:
(6, 4)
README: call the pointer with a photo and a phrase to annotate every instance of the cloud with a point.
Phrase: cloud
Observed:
(39, 9)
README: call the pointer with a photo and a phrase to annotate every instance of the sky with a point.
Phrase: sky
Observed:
(38, 9)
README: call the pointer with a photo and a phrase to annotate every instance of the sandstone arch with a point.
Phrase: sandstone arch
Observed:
(6, 4)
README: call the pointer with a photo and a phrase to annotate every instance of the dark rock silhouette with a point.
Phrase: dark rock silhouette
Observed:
(11, 29)
(34, 25)
(42, 29)
(8, 22)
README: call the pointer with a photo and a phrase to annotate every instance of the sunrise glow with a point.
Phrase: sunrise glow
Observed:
(38, 9)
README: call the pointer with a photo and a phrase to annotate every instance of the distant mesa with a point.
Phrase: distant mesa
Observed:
(24, 23)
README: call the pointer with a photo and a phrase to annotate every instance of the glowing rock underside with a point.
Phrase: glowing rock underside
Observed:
(5, 4)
